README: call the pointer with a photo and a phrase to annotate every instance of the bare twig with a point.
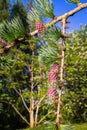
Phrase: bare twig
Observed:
(25, 105)
(37, 108)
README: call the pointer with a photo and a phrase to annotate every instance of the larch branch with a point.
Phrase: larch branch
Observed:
(59, 18)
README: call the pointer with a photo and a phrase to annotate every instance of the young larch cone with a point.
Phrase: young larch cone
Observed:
(53, 74)
(51, 92)
(40, 26)
(52, 77)
(55, 67)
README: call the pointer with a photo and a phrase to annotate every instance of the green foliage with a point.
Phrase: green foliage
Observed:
(67, 127)
(10, 31)
(45, 7)
(51, 126)
(18, 10)
(48, 55)
(33, 16)
(53, 33)
(81, 126)
(75, 97)
(73, 1)
(39, 10)
(75, 94)
(5, 61)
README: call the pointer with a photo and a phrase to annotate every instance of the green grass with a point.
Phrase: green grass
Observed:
(81, 126)
(77, 127)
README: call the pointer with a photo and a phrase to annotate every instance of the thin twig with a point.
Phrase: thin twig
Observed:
(25, 105)
(37, 108)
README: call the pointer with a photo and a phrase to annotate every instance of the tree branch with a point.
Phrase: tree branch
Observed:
(37, 108)
(66, 15)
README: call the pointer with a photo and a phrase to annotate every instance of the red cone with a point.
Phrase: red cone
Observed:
(52, 77)
(51, 92)
(40, 27)
(53, 74)
(55, 67)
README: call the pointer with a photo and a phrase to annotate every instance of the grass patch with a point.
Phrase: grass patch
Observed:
(76, 126)
(81, 126)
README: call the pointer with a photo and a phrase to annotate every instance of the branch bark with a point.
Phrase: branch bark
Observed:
(61, 74)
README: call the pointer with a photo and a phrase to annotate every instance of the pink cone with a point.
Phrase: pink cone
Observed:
(53, 74)
(52, 77)
(40, 27)
(51, 92)
(55, 67)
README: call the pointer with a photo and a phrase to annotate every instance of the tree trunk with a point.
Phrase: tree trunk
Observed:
(32, 112)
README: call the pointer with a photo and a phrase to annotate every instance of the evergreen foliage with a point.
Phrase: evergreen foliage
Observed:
(53, 33)
(40, 10)
(73, 1)
(48, 55)
(10, 31)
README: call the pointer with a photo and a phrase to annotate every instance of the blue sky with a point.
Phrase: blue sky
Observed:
(76, 20)
(61, 7)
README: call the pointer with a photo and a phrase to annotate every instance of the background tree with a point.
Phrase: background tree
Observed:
(76, 76)
(23, 81)
(19, 10)
(4, 9)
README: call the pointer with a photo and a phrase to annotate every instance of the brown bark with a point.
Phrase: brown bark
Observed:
(32, 123)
